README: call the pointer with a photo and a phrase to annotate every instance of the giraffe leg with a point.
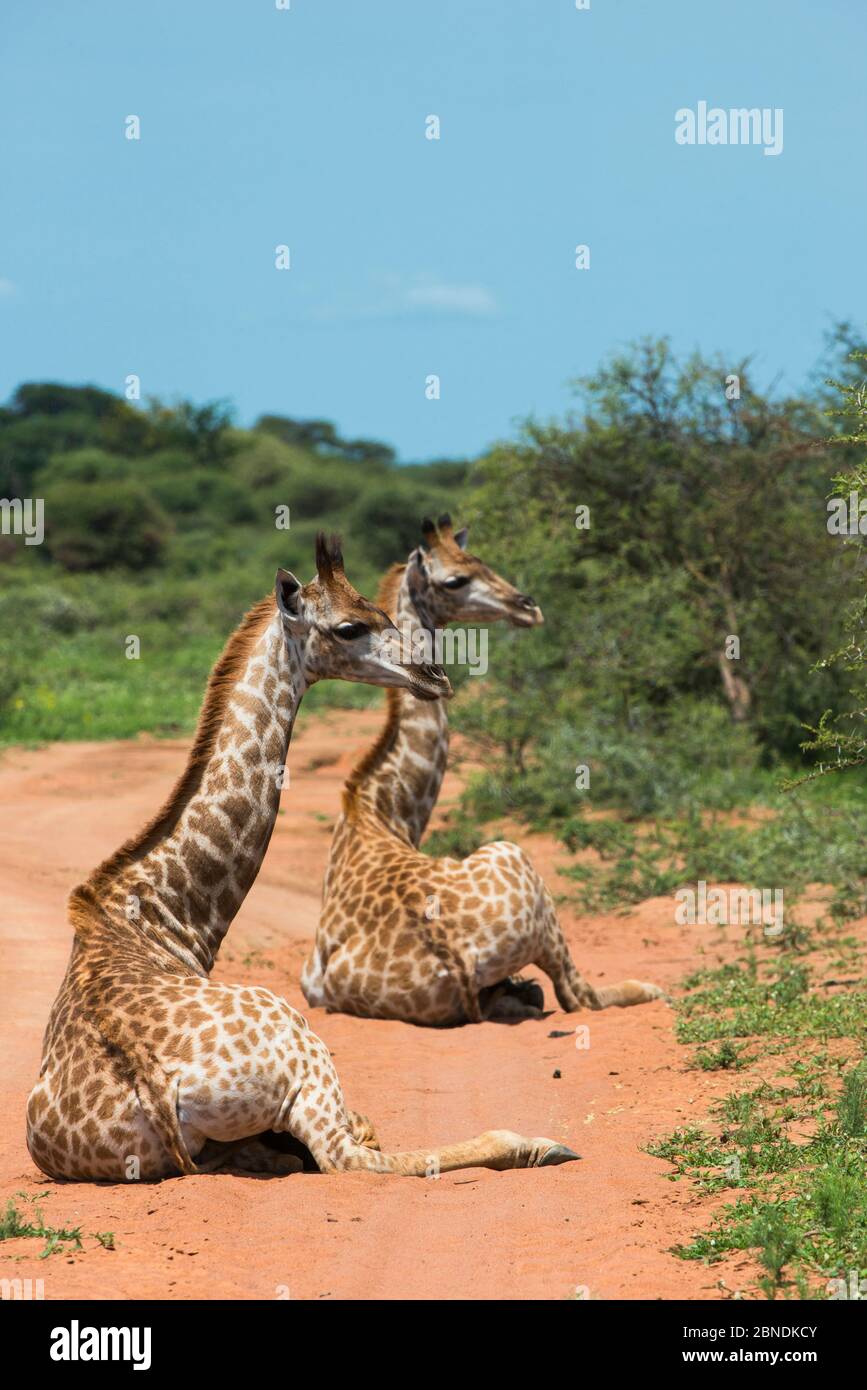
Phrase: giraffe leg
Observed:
(627, 993)
(497, 1148)
(572, 990)
(318, 1118)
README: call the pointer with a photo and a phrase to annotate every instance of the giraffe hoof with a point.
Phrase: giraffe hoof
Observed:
(656, 992)
(558, 1153)
(640, 992)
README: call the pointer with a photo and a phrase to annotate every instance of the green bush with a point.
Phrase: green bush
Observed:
(86, 465)
(90, 528)
(389, 514)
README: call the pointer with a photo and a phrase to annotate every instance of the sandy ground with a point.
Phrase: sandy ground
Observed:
(601, 1227)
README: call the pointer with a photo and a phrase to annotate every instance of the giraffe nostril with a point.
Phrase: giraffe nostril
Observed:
(434, 673)
(435, 684)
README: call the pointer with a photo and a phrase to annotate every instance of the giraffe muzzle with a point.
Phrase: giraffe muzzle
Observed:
(526, 612)
(430, 681)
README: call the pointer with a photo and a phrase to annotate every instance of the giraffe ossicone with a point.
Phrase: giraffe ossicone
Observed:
(149, 1067)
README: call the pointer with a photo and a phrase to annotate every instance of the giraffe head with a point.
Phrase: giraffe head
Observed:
(340, 635)
(450, 585)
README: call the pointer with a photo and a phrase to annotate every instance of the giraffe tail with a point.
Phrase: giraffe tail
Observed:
(155, 1089)
(157, 1097)
(313, 979)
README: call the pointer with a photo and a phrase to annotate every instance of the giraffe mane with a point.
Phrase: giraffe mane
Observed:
(386, 598)
(376, 754)
(386, 594)
(224, 675)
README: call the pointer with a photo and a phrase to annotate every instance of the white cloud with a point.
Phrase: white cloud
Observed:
(6, 288)
(396, 296)
(449, 298)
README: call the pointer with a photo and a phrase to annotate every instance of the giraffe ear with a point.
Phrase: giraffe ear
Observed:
(287, 590)
(461, 537)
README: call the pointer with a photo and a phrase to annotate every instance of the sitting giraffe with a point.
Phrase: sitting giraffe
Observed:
(149, 1066)
(436, 941)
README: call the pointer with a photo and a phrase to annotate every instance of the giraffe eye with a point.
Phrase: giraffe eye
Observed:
(456, 581)
(350, 632)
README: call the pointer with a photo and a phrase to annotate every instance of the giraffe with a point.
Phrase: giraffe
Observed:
(431, 941)
(149, 1067)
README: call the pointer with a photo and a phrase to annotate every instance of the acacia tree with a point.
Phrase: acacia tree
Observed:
(705, 520)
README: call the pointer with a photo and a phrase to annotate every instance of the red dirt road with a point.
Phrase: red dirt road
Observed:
(604, 1224)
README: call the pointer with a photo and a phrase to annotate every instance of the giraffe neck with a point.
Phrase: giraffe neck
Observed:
(181, 882)
(401, 776)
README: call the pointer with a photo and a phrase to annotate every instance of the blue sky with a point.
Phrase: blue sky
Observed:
(409, 256)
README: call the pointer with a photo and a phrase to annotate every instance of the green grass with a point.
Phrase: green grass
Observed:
(31, 1226)
(726, 1057)
(744, 1001)
(814, 1232)
(797, 1153)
